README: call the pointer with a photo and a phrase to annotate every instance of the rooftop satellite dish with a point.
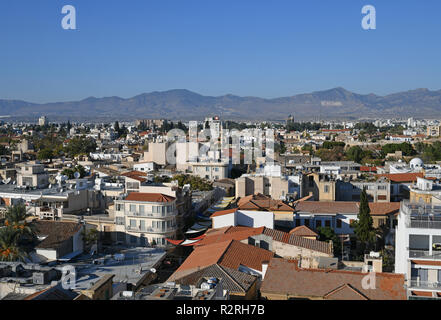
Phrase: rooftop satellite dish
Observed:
(77, 175)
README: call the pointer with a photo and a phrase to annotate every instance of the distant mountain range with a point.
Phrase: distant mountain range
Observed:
(336, 103)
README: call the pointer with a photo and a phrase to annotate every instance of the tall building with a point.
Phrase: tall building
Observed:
(42, 121)
(145, 218)
(418, 249)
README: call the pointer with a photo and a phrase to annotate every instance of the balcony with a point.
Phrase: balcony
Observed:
(151, 214)
(416, 283)
(152, 230)
(425, 254)
(421, 216)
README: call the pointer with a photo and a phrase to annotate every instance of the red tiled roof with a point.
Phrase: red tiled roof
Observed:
(402, 177)
(262, 203)
(303, 231)
(149, 197)
(242, 233)
(368, 169)
(285, 278)
(223, 212)
(137, 175)
(229, 233)
(422, 293)
(334, 207)
(230, 254)
(427, 262)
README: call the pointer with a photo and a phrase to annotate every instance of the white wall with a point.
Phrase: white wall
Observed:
(254, 219)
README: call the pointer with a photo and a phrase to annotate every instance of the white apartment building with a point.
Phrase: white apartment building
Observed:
(418, 249)
(145, 218)
(144, 166)
(32, 175)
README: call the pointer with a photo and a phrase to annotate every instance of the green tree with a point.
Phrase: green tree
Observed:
(363, 228)
(15, 218)
(326, 234)
(9, 249)
(355, 154)
(80, 145)
(45, 154)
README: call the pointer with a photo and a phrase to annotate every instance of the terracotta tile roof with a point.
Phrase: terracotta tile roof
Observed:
(232, 280)
(136, 175)
(384, 208)
(311, 244)
(285, 278)
(231, 233)
(368, 169)
(239, 253)
(230, 254)
(243, 233)
(262, 203)
(223, 212)
(149, 197)
(327, 207)
(56, 232)
(402, 177)
(422, 293)
(334, 207)
(345, 292)
(427, 262)
(303, 231)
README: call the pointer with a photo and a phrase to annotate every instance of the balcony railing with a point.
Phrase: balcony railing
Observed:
(416, 253)
(151, 214)
(425, 284)
(424, 224)
(152, 230)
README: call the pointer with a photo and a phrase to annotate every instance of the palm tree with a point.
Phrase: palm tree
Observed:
(9, 250)
(15, 218)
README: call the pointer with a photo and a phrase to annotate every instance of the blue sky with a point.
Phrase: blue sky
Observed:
(215, 47)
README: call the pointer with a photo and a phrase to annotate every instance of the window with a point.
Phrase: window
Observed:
(132, 208)
(216, 169)
(119, 207)
(382, 197)
(381, 187)
(142, 225)
(327, 223)
(326, 189)
(120, 221)
(141, 209)
(207, 169)
(132, 223)
(132, 185)
(306, 222)
(318, 223)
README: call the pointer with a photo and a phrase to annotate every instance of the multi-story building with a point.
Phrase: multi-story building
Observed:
(433, 131)
(378, 191)
(418, 249)
(42, 121)
(146, 218)
(32, 175)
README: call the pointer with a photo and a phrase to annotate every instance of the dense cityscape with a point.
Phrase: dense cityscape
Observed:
(94, 211)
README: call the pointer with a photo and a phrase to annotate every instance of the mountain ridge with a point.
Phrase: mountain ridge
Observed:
(183, 104)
